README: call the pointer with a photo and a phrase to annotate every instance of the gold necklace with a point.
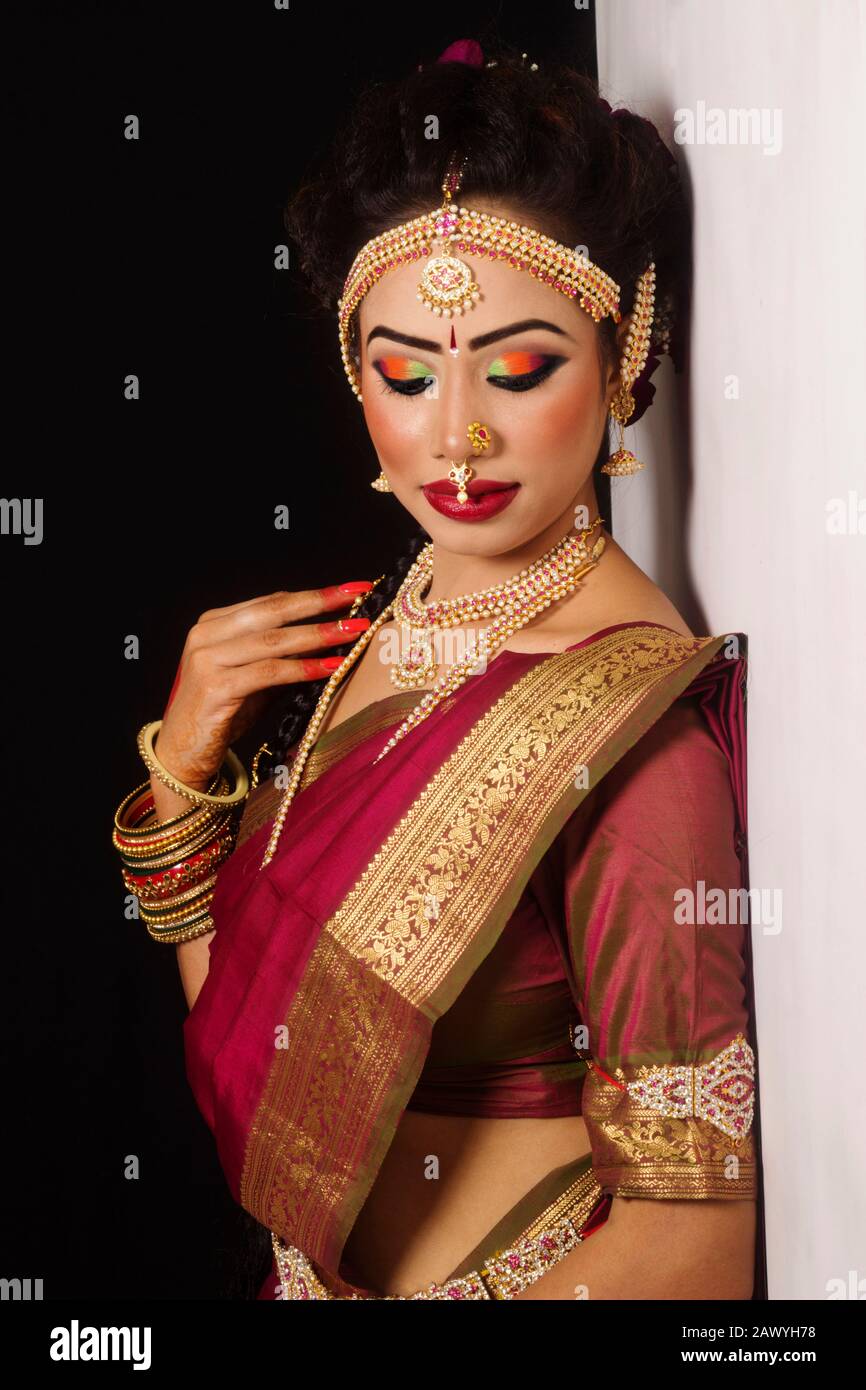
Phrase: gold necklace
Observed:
(489, 640)
(517, 594)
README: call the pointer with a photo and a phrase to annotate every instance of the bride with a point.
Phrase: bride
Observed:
(446, 1029)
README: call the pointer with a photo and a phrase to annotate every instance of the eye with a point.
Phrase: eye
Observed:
(401, 376)
(521, 371)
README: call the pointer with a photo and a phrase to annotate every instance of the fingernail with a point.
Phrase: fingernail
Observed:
(315, 665)
(357, 586)
(353, 624)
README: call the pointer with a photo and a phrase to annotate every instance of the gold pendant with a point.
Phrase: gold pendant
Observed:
(447, 287)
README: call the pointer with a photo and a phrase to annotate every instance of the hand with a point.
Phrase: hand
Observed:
(232, 661)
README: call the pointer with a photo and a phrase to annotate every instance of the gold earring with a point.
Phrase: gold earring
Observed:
(381, 484)
(479, 437)
(633, 362)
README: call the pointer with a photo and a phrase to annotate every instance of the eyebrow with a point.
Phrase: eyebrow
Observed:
(484, 340)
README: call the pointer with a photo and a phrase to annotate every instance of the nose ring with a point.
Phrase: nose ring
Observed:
(479, 437)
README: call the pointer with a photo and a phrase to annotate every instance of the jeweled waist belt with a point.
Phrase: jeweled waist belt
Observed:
(560, 1227)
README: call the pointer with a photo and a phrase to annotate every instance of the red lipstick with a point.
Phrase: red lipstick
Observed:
(487, 496)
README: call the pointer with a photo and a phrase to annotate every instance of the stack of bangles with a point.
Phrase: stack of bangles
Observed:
(171, 865)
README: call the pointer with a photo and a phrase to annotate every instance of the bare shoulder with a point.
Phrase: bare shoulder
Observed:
(635, 597)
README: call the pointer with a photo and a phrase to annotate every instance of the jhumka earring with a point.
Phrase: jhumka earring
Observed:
(381, 484)
(633, 362)
(479, 437)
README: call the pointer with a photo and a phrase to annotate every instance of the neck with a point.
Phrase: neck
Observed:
(455, 574)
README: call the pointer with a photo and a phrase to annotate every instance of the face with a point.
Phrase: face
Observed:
(527, 367)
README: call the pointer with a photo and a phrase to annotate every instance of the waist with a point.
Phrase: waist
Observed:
(561, 1211)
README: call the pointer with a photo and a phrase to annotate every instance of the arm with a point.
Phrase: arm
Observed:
(193, 957)
(667, 1099)
(193, 962)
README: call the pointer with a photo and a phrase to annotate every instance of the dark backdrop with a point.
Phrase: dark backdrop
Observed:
(156, 257)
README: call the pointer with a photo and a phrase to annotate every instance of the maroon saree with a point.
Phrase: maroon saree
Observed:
(392, 882)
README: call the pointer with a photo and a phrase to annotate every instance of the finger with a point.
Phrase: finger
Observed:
(243, 681)
(283, 642)
(303, 602)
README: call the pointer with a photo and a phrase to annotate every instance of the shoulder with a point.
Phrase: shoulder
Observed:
(668, 799)
(679, 751)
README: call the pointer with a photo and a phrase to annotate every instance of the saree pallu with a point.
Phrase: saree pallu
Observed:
(392, 882)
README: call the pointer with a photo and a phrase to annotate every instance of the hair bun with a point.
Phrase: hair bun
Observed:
(463, 51)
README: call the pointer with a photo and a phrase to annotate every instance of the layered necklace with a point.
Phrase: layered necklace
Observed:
(511, 605)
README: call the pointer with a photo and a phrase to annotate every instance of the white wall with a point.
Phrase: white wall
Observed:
(778, 304)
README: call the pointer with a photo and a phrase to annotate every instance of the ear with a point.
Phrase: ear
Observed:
(612, 383)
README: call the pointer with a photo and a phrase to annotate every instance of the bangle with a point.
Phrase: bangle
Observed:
(161, 853)
(242, 782)
(157, 913)
(196, 927)
(131, 819)
(171, 866)
(177, 878)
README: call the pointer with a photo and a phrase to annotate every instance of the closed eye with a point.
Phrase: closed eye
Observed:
(505, 374)
(505, 377)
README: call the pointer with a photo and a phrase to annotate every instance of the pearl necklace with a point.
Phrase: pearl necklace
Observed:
(516, 595)
(505, 623)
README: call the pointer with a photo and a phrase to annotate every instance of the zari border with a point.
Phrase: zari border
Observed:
(651, 1137)
(426, 911)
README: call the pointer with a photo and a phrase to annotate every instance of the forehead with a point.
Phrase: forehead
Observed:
(507, 295)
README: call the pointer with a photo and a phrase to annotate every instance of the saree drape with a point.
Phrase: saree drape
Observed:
(392, 882)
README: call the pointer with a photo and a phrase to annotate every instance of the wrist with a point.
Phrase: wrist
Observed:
(175, 765)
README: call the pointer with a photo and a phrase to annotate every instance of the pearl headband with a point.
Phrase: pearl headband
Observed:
(446, 286)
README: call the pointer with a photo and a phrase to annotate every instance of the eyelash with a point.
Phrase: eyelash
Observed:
(529, 381)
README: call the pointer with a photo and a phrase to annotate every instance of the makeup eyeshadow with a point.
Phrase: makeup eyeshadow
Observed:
(516, 363)
(403, 368)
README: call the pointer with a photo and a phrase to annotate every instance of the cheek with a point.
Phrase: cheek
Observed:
(390, 429)
(564, 416)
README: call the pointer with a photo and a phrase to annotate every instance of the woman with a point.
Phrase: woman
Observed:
(468, 977)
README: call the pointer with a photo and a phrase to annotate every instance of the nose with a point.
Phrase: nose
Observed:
(454, 411)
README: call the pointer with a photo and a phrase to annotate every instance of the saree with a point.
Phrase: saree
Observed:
(391, 884)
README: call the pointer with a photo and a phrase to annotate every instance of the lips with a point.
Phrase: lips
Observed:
(476, 488)
(487, 498)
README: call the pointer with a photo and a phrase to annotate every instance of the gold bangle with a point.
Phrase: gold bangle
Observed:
(150, 826)
(148, 753)
(174, 938)
(177, 900)
(175, 917)
(168, 852)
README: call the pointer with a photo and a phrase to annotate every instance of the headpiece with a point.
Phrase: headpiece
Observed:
(447, 286)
